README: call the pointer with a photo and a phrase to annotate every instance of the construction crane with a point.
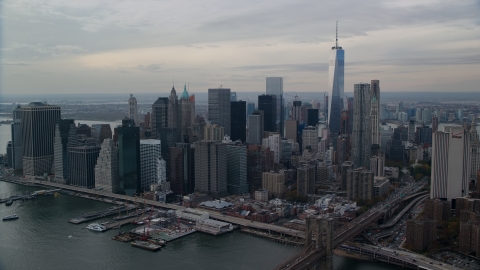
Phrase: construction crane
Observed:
(296, 97)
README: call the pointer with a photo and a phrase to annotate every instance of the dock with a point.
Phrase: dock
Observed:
(276, 238)
(101, 214)
(120, 223)
(146, 245)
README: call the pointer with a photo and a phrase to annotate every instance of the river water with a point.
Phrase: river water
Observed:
(42, 238)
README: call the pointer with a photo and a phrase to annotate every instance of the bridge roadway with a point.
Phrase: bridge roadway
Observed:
(400, 258)
(394, 221)
(310, 256)
(213, 214)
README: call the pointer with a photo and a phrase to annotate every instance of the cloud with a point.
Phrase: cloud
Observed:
(305, 67)
(151, 67)
(213, 42)
(15, 63)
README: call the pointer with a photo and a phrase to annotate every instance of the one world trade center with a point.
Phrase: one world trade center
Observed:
(335, 86)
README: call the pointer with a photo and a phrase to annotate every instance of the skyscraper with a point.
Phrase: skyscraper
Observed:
(174, 119)
(435, 123)
(306, 176)
(310, 138)
(106, 170)
(16, 127)
(211, 167)
(236, 168)
(250, 108)
(275, 87)
(219, 107)
(255, 163)
(451, 154)
(312, 117)
(274, 143)
(255, 127)
(475, 156)
(186, 113)
(291, 129)
(81, 165)
(268, 104)
(159, 116)
(335, 85)
(133, 110)
(150, 153)
(101, 132)
(296, 112)
(361, 125)
(375, 111)
(129, 157)
(62, 132)
(411, 131)
(38, 121)
(238, 121)
(182, 171)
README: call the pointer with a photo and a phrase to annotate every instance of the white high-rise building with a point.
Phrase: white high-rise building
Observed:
(132, 109)
(273, 141)
(106, 169)
(336, 71)
(418, 115)
(310, 138)
(426, 116)
(451, 156)
(162, 171)
(150, 153)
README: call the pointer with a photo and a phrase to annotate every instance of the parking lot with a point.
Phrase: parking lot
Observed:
(458, 260)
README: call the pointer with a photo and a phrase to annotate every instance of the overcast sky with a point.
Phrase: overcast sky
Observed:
(92, 46)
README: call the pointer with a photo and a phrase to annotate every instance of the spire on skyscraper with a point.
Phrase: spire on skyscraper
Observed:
(336, 36)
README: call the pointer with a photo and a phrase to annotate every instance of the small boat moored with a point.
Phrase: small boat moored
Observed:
(96, 227)
(11, 217)
(9, 202)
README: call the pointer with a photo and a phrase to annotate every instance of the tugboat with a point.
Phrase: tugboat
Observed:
(9, 202)
(96, 227)
(11, 217)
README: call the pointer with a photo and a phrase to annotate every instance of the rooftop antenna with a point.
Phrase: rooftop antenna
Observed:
(336, 36)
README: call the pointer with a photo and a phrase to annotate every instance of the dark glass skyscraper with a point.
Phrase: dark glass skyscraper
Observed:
(129, 156)
(159, 116)
(38, 121)
(268, 104)
(81, 165)
(182, 172)
(238, 120)
(312, 117)
(62, 132)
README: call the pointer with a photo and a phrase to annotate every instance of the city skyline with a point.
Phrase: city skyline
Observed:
(431, 42)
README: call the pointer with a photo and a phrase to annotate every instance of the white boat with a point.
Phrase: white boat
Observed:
(96, 227)
(14, 216)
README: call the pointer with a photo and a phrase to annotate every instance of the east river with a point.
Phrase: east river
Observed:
(42, 238)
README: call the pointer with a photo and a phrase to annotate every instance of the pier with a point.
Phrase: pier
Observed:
(101, 214)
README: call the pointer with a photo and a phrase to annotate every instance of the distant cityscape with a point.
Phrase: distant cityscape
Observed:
(363, 172)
